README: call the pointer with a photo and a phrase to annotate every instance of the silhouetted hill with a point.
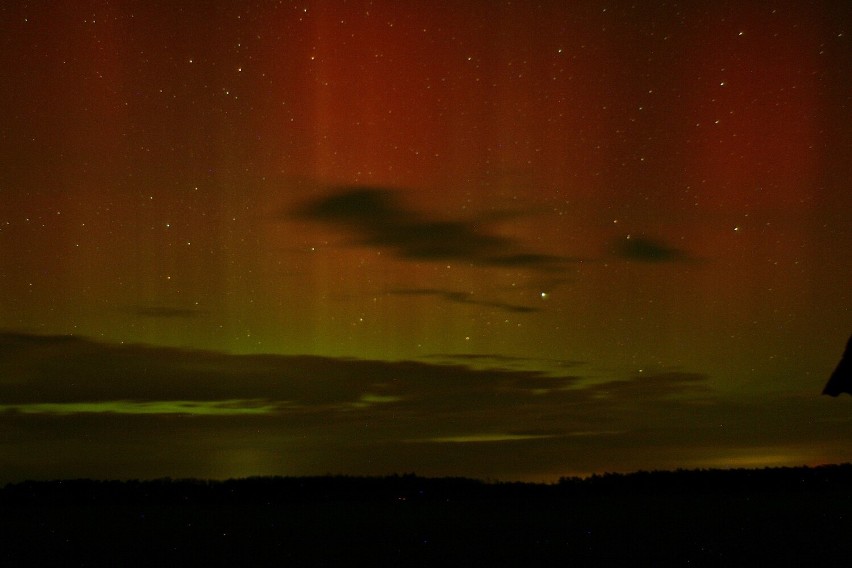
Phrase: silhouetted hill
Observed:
(707, 518)
(840, 380)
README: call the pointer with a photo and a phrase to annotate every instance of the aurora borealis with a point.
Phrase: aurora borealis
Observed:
(515, 240)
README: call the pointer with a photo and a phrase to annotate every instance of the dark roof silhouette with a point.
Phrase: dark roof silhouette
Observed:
(841, 379)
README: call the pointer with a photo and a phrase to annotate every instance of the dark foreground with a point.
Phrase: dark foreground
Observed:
(787, 517)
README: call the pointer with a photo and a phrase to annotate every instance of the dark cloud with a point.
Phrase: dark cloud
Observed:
(378, 219)
(11, 341)
(644, 249)
(59, 371)
(355, 206)
(503, 361)
(72, 406)
(56, 370)
(659, 385)
(464, 298)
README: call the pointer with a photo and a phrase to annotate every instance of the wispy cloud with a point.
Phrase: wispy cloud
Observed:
(464, 298)
(193, 407)
(377, 218)
(550, 367)
(484, 438)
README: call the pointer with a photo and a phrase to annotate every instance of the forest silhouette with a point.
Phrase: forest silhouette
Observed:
(696, 517)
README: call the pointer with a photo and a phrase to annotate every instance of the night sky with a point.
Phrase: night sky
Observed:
(504, 239)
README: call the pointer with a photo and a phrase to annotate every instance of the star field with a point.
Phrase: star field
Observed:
(637, 201)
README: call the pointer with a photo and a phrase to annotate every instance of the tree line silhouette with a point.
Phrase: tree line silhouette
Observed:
(703, 517)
